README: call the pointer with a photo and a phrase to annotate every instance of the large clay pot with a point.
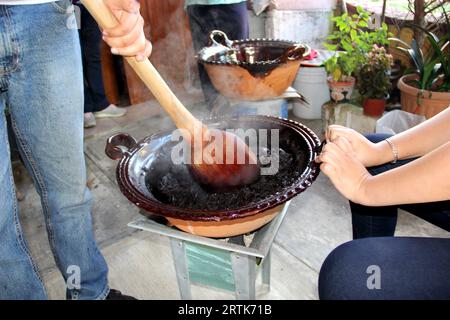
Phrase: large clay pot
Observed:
(136, 158)
(227, 228)
(341, 91)
(422, 102)
(251, 69)
(374, 107)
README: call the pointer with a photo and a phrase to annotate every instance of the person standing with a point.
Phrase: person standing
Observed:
(96, 104)
(229, 16)
(41, 81)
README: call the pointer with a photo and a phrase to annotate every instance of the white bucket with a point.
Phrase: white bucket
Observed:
(306, 26)
(311, 82)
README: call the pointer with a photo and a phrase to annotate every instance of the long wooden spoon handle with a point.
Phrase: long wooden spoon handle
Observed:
(146, 71)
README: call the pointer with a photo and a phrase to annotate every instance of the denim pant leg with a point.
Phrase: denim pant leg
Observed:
(45, 95)
(19, 277)
(387, 268)
(229, 18)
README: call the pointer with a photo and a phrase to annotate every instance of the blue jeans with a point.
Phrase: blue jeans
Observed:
(41, 83)
(408, 268)
(389, 268)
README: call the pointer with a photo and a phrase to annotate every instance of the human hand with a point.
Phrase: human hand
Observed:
(346, 172)
(127, 38)
(368, 153)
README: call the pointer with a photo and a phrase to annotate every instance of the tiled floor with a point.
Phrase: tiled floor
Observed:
(141, 264)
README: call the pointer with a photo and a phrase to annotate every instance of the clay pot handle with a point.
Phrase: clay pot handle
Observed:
(318, 149)
(295, 51)
(118, 145)
(224, 41)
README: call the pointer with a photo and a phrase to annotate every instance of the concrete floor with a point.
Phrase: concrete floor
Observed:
(141, 264)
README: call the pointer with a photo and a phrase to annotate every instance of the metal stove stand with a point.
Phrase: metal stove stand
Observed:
(226, 264)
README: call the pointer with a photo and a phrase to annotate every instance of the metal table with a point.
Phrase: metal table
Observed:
(190, 253)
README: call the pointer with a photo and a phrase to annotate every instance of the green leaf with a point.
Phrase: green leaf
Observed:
(331, 47)
(346, 45)
(363, 24)
(417, 53)
(332, 37)
(353, 35)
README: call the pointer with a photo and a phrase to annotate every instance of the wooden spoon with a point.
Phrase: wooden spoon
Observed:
(210, 169)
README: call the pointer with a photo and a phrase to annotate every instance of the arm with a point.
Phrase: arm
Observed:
(414, 142)
(424, 137)
(424, 180)
(127, 38)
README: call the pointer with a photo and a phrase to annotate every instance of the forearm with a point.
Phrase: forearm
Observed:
(421, 139)
(426, 179)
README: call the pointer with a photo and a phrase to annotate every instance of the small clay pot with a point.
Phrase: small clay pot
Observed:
(374, 107)
(341, 91)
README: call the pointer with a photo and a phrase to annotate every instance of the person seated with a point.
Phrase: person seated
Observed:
(410, 170)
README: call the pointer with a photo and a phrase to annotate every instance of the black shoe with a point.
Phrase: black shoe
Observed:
(117, 295)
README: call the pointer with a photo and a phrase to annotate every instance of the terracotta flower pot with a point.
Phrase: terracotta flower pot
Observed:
(341, 91)
(422, 102)
(374, 107)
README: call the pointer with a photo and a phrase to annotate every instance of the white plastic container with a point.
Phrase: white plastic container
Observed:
(303, 4)
(311, 82)
(306, 26)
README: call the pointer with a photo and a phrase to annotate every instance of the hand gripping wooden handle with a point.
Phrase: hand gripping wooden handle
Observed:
(146, 71)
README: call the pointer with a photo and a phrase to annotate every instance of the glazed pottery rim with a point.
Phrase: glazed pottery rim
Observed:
(405, 87)
(257, 42)
(334, 83)
(308, 176)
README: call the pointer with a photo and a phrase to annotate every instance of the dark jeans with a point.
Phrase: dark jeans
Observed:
(408, 268)
(90, 39)
(229, 18)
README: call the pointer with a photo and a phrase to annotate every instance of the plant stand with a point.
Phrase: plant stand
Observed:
(229, 265)
(347, 115)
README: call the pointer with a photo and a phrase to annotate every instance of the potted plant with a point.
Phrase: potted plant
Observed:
(426, 90)
(340, 82)
(351, 40)
(374, 82)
